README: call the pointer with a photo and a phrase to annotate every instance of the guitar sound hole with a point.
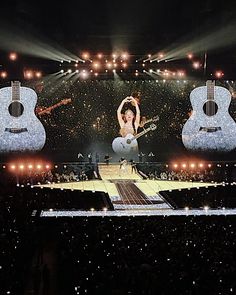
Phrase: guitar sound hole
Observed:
(210, 108)
(16, 109)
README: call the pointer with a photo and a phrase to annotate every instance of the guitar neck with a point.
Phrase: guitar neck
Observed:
(141, 133)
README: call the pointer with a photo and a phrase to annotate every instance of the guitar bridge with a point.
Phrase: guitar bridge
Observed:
(210, 129)
(16, 130)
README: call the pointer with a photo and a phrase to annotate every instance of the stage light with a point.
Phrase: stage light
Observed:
(92, 209)
(206, 208)
(196, 65)
(100, 55)
(77, 71)
(184, 165)
(149, 55)
(30, 166)
(21, 167)
(29, 74)
(190, 55)
(219, 74)
(175, 165)
(186, 208)
(96, 65)
(13, 167)
(84, 74)
(3, 75)
(38, 74)
(114, 71)
(69, 71)
(124, 65)
(143, 65)
(47, 166)
(201, 165)
(109, 65)
(39, 166)
(96, 74)
(105, 209)
(124, 55)
(13, 56)
(209, 165)
(161, 55)
(150, 71)
(114, 56)
(192, 165)
(136, 74)
(85, 55)
(61, 71)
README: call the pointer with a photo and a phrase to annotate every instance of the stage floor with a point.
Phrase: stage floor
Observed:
(129, 193)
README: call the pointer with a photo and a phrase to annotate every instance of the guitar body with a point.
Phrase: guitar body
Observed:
(124, 145)
(215, 132)
(20, 129)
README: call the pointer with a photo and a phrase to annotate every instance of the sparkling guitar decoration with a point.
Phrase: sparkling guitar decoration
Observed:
(20, 129)
(210, 127)
(128, 144)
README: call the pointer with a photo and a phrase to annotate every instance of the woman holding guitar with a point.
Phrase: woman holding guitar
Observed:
(129, 122)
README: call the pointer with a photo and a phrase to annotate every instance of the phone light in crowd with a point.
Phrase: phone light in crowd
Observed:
(13, 56)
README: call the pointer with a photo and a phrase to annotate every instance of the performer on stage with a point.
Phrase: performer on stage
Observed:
(133, 166)
(90, 158)
(123, 166)
(107, 158)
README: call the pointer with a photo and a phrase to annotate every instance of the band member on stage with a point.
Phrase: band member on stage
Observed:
(133, 166)
(123, 166)
(107, 158)
(129, 122)
(90, 158)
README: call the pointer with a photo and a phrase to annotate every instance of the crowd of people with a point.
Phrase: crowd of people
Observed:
(216, 173)
(148, 255)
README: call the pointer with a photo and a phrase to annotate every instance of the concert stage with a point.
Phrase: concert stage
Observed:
(130, 194)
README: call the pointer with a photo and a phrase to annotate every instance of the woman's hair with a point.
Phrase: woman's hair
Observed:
(136, 94)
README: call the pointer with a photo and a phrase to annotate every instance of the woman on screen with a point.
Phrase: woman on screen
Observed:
(129, 122)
